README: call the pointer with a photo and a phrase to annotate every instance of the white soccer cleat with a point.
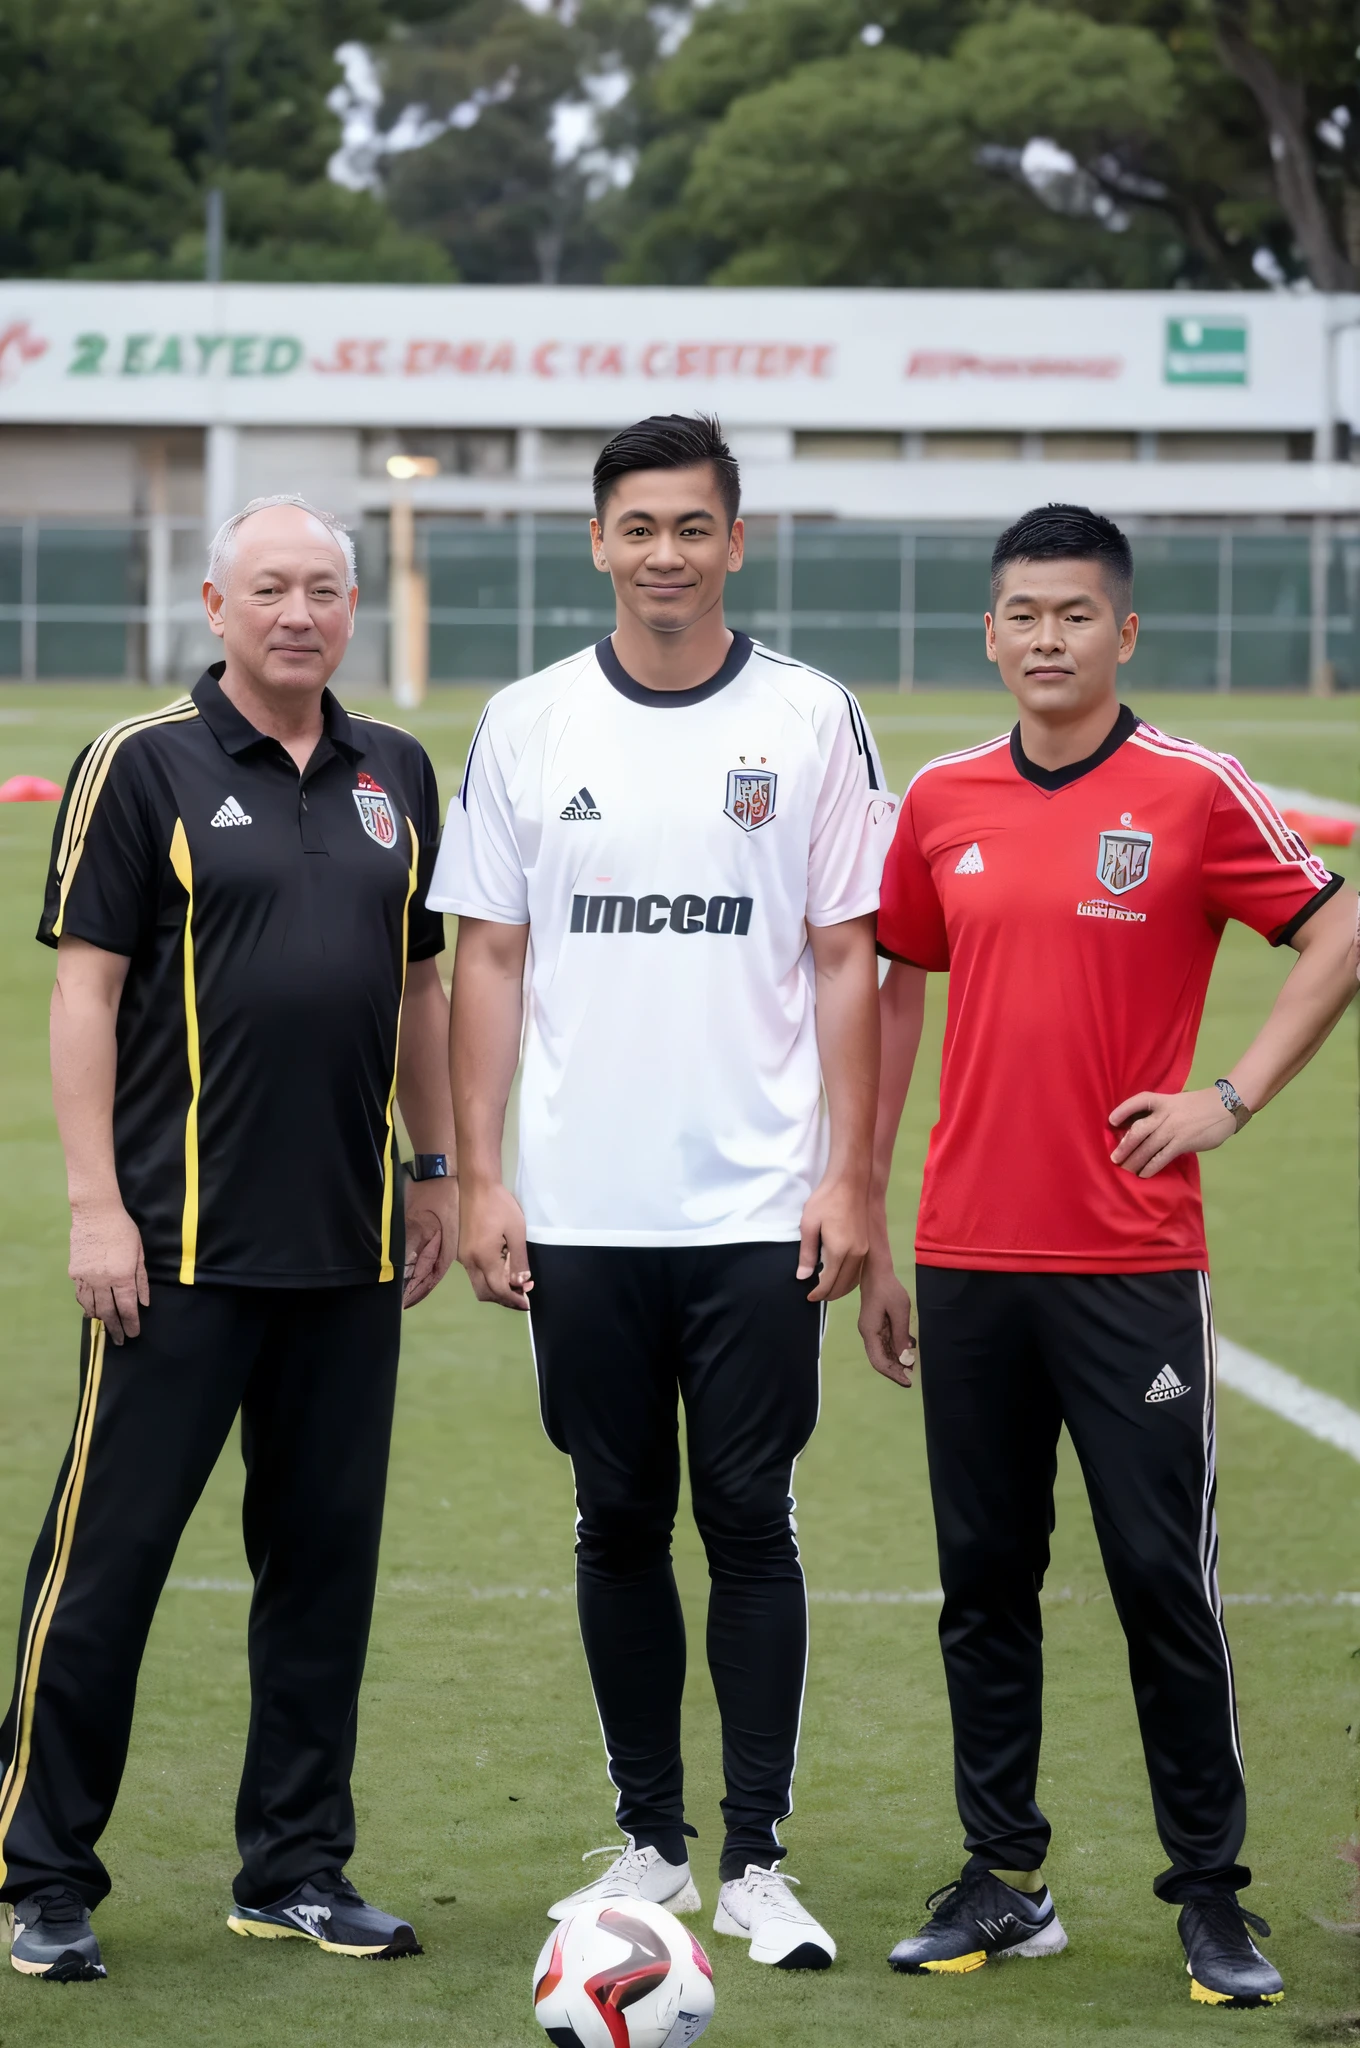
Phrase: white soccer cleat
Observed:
(761, 1909)
(634, 1874)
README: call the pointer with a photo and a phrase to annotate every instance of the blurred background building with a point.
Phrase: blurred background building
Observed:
(884, 437)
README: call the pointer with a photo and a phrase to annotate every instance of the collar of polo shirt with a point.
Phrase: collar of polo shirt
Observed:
(234, 732)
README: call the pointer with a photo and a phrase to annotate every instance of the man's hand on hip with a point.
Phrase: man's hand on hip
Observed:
(492, 1247)
(431, 1235)
(836, 1221)
(885, 1320)
(108, 1267)
(1159, 1128)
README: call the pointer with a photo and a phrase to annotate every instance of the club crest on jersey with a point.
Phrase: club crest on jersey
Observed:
(1124, 859)
(376, 814)
(750, 797)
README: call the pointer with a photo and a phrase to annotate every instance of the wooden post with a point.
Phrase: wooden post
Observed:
(407, 607)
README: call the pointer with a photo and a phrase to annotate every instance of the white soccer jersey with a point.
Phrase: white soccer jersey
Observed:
(668, 852)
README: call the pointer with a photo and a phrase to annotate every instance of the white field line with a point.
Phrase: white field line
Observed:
(1307, 800)
(1322, 1415)
(931, 1596)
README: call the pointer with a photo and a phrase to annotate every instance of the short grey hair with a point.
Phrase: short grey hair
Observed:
(223, 548)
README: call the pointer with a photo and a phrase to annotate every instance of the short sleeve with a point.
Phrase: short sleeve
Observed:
(1255, 868)
(911, 923)
(479, 872)
(852, 826)
(103, 880)
(427, 926)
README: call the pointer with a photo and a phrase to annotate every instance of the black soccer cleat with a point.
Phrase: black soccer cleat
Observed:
(977, 1917)
(329, 1911)
(53, 1938)
(1224, 1963)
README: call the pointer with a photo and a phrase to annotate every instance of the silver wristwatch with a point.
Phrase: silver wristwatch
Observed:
(1233, 1103)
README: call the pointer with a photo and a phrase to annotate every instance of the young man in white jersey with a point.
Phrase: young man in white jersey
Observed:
(683, 834)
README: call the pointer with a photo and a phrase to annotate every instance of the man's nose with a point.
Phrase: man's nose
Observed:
(295, 613)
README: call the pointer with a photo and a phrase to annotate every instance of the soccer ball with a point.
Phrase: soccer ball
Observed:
(622, 1974)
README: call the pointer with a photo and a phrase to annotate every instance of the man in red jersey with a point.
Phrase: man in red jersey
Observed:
(1074, 877)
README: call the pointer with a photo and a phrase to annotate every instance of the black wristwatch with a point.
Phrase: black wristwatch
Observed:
(1233, 1103)
(428, 1166)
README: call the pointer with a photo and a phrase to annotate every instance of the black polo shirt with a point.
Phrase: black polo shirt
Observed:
(267, 918)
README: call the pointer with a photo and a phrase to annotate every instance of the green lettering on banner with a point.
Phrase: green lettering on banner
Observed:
(282, 354)
(208, 345)
(134, 354)
(243, 347)
(168, 359)
(89, 354)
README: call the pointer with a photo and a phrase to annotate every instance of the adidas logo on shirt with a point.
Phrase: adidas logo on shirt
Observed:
(971, 863)
(581, 808)
(1166, 1387)
(231, 814)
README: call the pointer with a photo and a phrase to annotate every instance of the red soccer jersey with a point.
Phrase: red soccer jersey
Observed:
(1078, 912)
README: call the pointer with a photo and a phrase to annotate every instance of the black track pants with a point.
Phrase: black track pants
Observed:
(620, 1335)
(313, 1373)
(1126, 1361)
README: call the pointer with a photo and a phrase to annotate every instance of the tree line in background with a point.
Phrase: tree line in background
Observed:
(806, 142)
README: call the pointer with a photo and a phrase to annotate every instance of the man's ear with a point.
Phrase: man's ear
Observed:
(213, 601)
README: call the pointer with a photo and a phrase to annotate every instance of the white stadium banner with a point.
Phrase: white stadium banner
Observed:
(391, 355)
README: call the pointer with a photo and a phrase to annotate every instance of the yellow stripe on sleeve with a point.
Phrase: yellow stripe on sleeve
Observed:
(90, 784)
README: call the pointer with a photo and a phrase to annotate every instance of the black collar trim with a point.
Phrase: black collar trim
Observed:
(738, 654)
(236, 735)
(1058, 778)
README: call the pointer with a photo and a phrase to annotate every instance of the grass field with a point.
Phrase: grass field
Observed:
(480, 1774)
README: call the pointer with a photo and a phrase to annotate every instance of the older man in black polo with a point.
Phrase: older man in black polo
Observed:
(246, 987)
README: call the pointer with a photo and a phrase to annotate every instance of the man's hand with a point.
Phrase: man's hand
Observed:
(885, 1320)
(1162, 1127)
(836, 1221)
(108, 1267)
(431, 1235)
(492, 1247)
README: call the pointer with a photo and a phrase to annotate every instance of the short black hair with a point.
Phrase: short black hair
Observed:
(1069, 533)
(669, 440)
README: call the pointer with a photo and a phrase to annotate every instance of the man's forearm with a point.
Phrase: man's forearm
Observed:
(847, 1041)
(484, 1034)
(423, 1063)
(1316, 994)
(901, 1012)
(84, 1053)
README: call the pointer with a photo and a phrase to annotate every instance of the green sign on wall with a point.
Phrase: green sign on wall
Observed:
(1206, 352)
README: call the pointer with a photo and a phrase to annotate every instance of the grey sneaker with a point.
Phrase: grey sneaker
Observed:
(634, 1874)
(329, 1911)
(53, 1938)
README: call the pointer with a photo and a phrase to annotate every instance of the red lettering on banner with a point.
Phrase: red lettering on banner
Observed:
(354, 359)
(542, 358)
(738, 359)
(599, 359)
(458, 358)
(959, 363)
